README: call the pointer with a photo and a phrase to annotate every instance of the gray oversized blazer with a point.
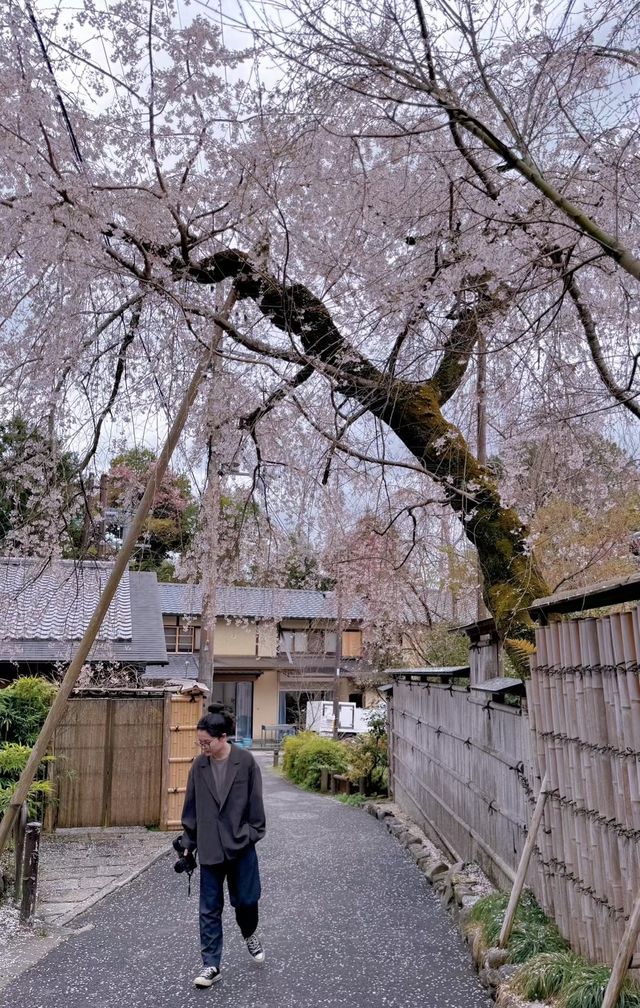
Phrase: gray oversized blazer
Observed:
(220, 830)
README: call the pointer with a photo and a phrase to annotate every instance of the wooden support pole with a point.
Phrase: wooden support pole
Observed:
(521, 874)
(18, 839)
(121, 563)
(623, 958)
(30, 872)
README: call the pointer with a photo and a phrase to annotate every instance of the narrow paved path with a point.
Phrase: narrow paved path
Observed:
(347, 919)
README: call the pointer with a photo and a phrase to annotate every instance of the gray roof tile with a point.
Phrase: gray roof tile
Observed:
(44, 611)
(256, 603)
(55, 601)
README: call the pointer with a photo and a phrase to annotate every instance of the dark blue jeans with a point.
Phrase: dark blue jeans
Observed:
(243, 880)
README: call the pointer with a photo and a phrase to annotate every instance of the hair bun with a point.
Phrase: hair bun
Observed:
(216, 708)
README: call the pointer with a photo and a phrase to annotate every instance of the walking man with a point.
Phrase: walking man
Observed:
(223, 818)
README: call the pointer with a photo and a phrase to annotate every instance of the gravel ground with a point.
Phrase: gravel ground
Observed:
(346, 918)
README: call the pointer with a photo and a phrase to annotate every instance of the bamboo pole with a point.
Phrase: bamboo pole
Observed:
(623, 958)
(121, 562)
(521, 874)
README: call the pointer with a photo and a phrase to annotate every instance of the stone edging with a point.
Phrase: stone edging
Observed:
(459, 887)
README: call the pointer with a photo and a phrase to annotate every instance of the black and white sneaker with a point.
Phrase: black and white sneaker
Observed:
(256, 950)
(207, 976)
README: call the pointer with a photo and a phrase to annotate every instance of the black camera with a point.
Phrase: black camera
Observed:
(186, 862)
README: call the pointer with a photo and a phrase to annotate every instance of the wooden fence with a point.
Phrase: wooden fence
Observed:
(457, 768)
(468, 771)
(585, 715)
(123, 760)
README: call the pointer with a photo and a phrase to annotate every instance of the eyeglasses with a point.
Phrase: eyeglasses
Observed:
(205, 745)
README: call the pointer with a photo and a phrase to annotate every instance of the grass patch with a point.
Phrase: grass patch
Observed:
(548, 969)
(358, 800)
(570, 982)
(532, 934)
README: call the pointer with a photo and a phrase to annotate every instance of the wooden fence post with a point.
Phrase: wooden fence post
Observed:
(30, 872)
(21, 823)
(623, 958)
(521, 873)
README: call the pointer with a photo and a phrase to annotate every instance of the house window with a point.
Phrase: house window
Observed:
(352, 643)
(313, 642)
(293, 705)
(181, 635)
(330, 641)
(293, 641)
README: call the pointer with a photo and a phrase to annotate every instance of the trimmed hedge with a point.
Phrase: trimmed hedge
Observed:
(307, 754)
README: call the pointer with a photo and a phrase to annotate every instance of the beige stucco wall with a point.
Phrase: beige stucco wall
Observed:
(267, 641)
(265, 701)
(235, 638)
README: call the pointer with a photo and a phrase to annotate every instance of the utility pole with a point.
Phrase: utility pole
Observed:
(210, 512)
(481, 444)
(336, 687)
(209, 568)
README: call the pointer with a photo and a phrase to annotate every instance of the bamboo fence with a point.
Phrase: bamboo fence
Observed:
(457, 768)
(469, 771)
(584, 699)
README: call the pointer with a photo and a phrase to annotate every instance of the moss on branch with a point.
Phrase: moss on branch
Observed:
(413, 411)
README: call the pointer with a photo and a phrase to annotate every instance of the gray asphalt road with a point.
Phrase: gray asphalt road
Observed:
(346, 919)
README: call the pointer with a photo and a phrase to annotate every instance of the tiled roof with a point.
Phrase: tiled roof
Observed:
(256, 603)
(44, 611)
(55, 601)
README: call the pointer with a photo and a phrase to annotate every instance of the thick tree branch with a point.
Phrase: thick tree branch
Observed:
(412, 410)
(626, 398)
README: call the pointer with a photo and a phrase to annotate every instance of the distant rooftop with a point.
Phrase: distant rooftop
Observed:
(256, 603)
(56, 600)
(45, 609)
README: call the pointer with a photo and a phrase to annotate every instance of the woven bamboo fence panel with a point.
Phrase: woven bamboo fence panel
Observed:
(179, 748)
(584, 699)
(460, 767)
(108, 762)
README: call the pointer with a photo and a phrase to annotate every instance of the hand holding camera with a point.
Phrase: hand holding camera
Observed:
(186, 861)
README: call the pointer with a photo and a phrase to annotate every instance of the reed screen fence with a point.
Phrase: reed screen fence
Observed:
(468, 770)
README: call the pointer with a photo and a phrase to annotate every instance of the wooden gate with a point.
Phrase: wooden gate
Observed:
(108, 762)
(124, 760)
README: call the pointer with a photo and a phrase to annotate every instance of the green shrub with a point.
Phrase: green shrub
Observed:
(532, 933)
(24, 706)
(307, 754)
(369, 756)
(291, 747)
(38, 792)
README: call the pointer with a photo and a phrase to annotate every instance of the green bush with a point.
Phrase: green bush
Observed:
(307, 754)
(291, 747)
(24, 706)
(369, 756)
(38, 792)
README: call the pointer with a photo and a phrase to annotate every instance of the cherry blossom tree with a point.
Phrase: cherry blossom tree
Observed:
(417, 197)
